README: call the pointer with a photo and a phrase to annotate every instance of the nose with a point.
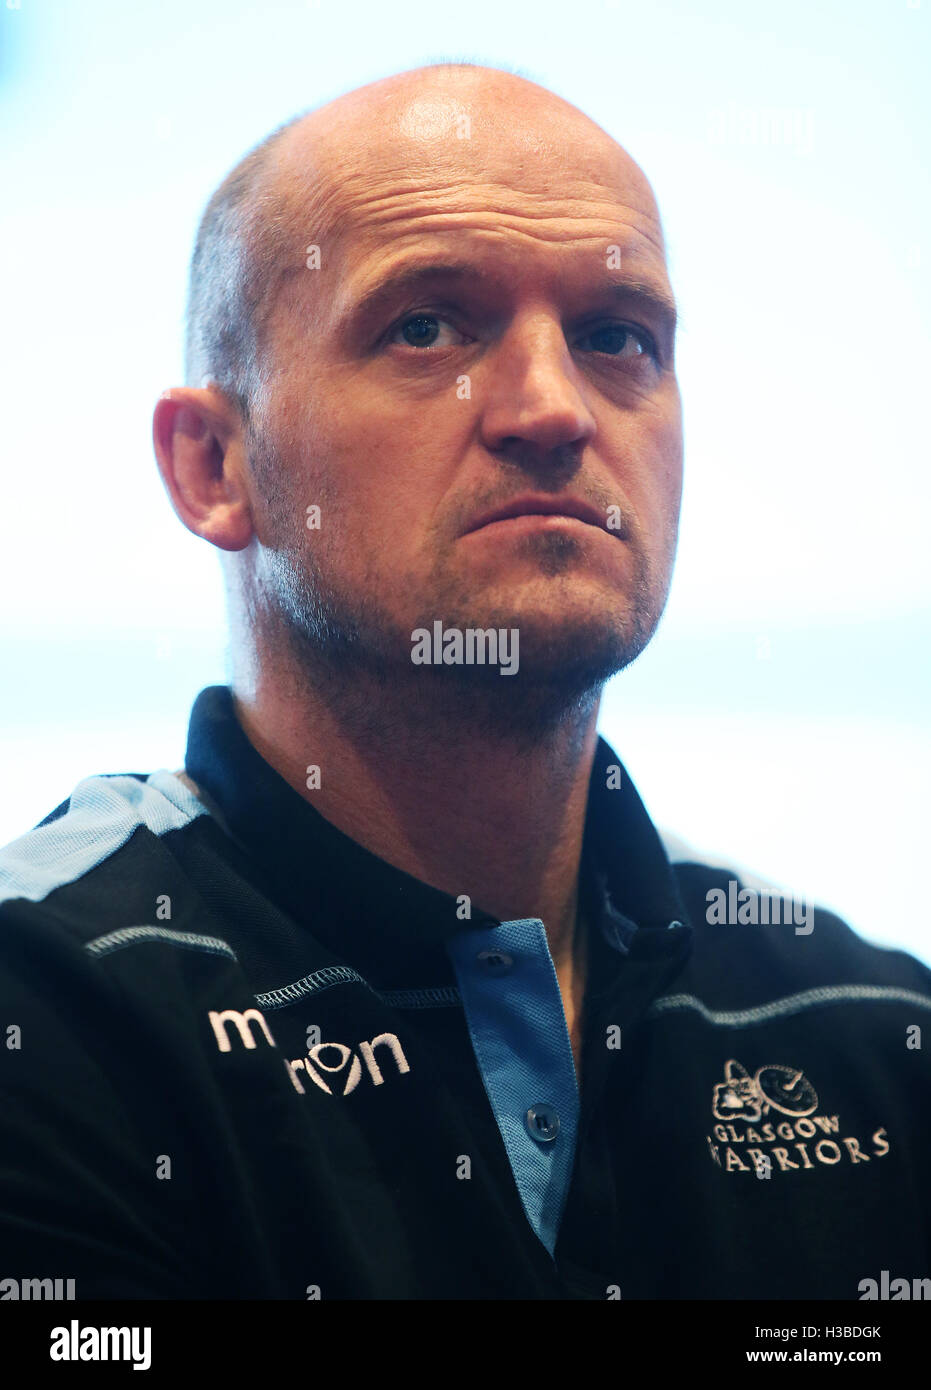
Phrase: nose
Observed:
(534, 413)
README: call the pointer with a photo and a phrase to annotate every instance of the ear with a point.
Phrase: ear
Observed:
(197, 436)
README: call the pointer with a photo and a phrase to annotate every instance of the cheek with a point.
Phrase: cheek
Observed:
(653, 483)
(319, 465)
(661, 473)
(369, 440)
(671, 487)
(389, 467)
(374, 512)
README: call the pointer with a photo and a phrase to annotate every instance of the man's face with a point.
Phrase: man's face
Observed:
(467, 341)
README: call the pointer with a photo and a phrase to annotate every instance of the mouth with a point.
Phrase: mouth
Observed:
(557, 508)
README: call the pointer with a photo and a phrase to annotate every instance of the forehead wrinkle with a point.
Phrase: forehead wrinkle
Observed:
(365, 249)
(512, 229)
(356, 194)
(309, 200)
(514, 122)
(473, 204)
(606, 222)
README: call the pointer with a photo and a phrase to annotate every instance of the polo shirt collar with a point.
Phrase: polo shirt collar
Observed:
(352, 900)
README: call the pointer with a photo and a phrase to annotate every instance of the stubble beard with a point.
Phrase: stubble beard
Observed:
(350, 649)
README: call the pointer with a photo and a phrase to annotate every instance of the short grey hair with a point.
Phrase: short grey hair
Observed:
(236, 252)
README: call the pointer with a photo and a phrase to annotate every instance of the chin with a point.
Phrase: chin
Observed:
(580, 655)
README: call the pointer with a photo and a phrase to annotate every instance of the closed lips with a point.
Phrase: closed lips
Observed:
(542, 506)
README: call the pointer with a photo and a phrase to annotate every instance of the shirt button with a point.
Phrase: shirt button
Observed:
(542, 1123)
(495, 962)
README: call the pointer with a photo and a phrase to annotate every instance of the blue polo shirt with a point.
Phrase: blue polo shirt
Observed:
(505, 979)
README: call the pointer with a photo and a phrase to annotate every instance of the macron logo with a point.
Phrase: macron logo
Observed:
(313, 1064)
(243, 1022)
(317, 1065)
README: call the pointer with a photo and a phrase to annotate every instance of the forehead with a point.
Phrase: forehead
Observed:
(529, 195)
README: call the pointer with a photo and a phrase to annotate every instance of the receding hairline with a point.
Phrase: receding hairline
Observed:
(352, 110)
(254, 220)
(275, 238)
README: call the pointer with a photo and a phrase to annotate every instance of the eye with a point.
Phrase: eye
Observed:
(421, 330)
(624, 341)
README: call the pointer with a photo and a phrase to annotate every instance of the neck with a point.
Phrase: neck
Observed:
(423, 778)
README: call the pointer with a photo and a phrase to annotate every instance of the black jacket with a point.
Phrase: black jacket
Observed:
(245, 1058)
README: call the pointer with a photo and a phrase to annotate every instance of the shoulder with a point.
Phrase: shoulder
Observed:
(768, 939)
(100, 846)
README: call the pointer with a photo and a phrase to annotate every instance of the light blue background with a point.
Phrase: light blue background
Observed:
(780, 717)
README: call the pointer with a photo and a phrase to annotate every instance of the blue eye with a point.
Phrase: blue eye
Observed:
(420, 330)
(618, 336)
(620, 340)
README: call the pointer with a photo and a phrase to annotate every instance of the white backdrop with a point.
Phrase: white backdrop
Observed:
(780, 718)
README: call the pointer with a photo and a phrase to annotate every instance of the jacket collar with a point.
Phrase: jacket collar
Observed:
(368, 911)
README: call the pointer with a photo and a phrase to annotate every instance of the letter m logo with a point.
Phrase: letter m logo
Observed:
(243, 1022)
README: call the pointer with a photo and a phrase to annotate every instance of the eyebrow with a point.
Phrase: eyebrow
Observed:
(652, 296)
